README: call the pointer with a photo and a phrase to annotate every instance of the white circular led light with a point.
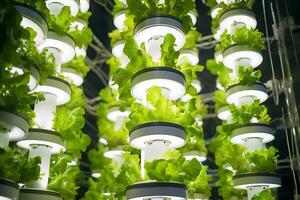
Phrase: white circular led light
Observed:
(119, 19)
(55, 6)
(63, 43)
(79, 24)
(224, 113)
(33, 19)
(146, 133)
(244, 181)
(218, 56)
(236, 93)
(114, 113)
(190, 155)
(189, 55)
(193, 15)
(16, 124)
(58, 87)
(38, 194)
(170, 80)
(72, 75)
(236, 53)
(160, 26)
(156, 190)
(43, 137)
(214, 11)
(237, 16)
(263, 132)
(9, 190)
(84, 5)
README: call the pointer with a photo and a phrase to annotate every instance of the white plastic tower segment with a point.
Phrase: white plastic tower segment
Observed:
(155, 150)
(45, 153)
(119, 20)
(33, 82)
(57, 56)
(117, 51)
(55, 6)
(153, 47)
(253, 190)
(4, 140)
(253, 144)
(40, 35)
(84, 5)
(45, 111)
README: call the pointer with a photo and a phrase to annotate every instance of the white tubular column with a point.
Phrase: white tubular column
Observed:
(4, 139)
(153, 47)
(253, 190)
(242, 62)
(237, 25)
(119, 122)
(45, 111)
(55, 8)
(253, 144)
(45, 153)
(57, 55)
(155, 150)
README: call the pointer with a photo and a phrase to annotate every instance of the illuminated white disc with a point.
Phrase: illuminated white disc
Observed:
(197, 85)
(96, 175)
(117, 49)
(156, 190)
(33, 19)
(43, 137)
(262, 132)
(235, 53)
(224, 113)
(9, 190)
(34, 76)
(84, 5)
(103, 141)
(114, 113)
(15, 123)
(190, 155)
(160, 26)
(38, 194)
(237, 92)
(193, 14)
(237, 16)
(63, 43)
(55, 6)
(60, 88)
(189, 55)
(269, 180)
(214, 11)
(146, 133)
(114, 153)
(119, 19)
(218, 56)
(79, 23)
(170, 80)
(80, 52)
(72, 75)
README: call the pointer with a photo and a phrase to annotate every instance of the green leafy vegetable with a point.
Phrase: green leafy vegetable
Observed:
(264, 195)
(79, 65)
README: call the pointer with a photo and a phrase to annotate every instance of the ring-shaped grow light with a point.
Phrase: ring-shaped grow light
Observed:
(34, 76)
(233, 54)
(9, 190)
(149, 190)
(38, 194)
(193, 15)
(114, 113)
(190, 155)
(255, 130)
(190, 55)
(244, 181)
(255, 91)
(224, 113)
(160, 26)
(171, 80)
(43, 137)
(60, 88)
(64, 43)
(237, 16)
(55, 6)
(146, 133)
(73, 75)
(31, 18)
(119, 19)
(16, 124)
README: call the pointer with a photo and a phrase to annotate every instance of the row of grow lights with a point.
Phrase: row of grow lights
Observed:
(42, 60)
(150, 118)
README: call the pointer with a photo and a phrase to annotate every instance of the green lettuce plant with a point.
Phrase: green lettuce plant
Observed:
(219, 99)
(79, 65)
(16, 166)
(175, 8)
(69, 121)
(264, 195)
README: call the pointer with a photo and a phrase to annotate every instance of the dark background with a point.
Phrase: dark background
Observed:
(101, 22)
